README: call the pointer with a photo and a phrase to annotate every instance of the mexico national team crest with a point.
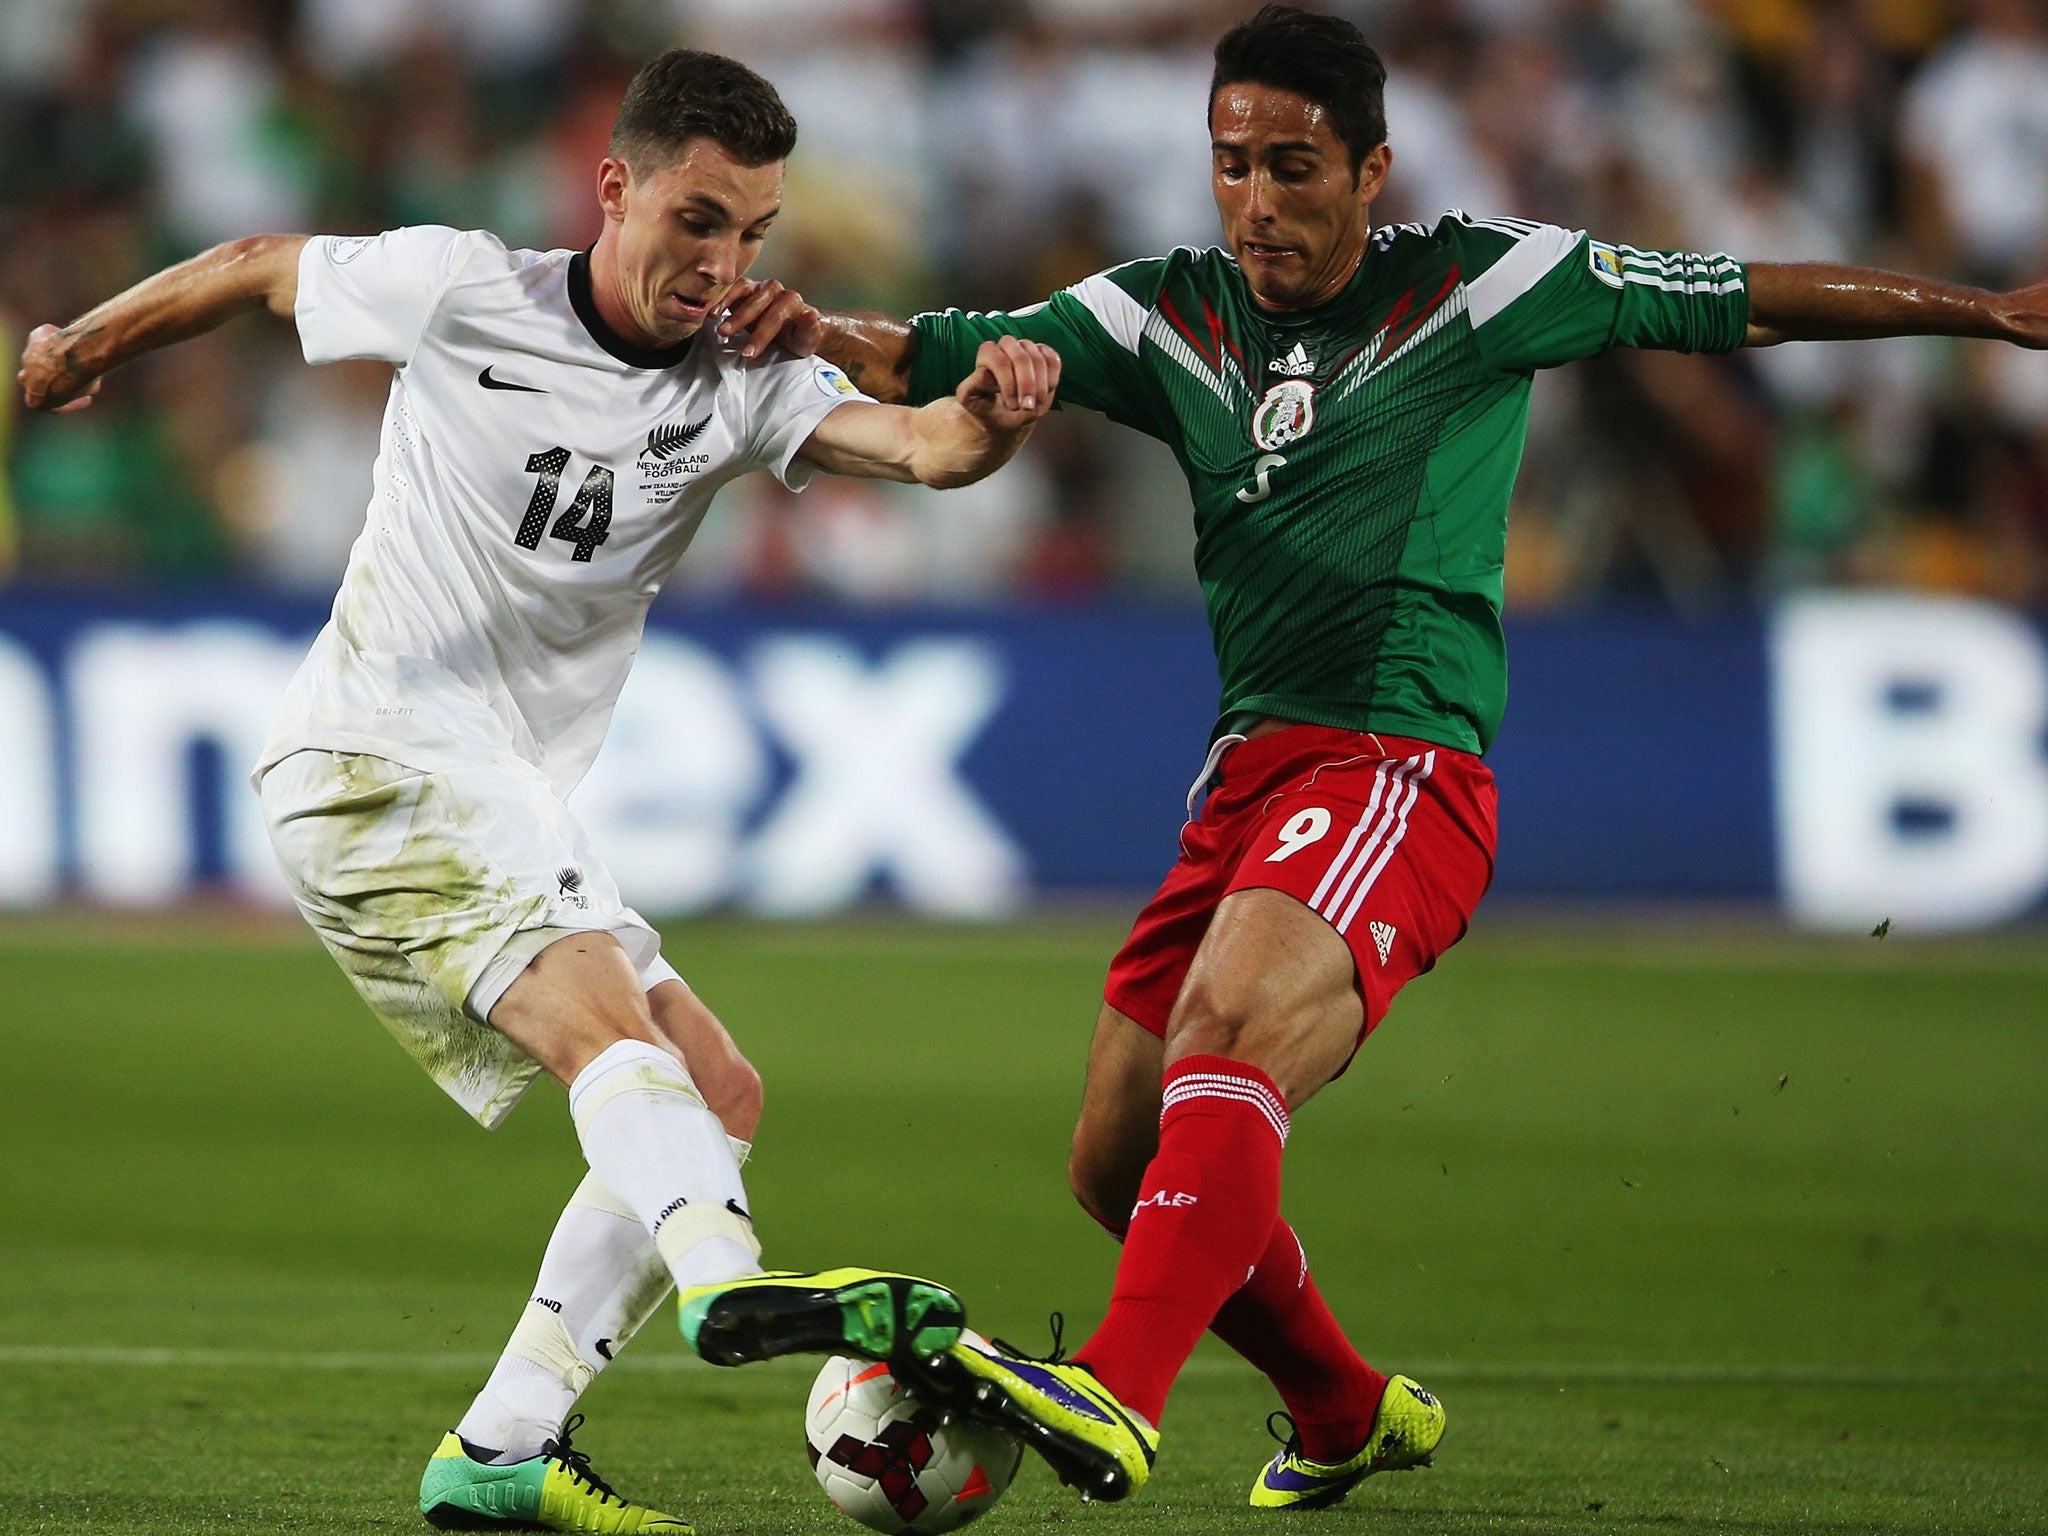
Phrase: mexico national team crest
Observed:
(1287, 412)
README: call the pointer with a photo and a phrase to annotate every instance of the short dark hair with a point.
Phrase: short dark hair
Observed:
(1322, 58)
(685, 95)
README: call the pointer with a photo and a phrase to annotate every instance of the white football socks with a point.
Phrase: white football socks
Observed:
(650, 1140)
(603, 1275)
(600, 1279)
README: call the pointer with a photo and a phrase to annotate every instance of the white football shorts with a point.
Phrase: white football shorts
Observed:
(435, 890)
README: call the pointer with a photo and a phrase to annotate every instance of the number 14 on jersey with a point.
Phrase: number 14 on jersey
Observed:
(586, 523)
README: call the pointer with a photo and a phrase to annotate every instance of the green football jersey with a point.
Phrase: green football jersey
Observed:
(1351, 465)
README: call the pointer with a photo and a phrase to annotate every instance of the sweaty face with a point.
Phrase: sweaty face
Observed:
(686, 232)
(1293, 214)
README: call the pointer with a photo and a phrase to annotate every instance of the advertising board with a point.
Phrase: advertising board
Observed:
(1852, 756)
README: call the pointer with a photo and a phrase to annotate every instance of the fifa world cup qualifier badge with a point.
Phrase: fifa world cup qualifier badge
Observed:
(1287, 412)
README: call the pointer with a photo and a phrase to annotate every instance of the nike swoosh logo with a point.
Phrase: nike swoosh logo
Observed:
(488, 382)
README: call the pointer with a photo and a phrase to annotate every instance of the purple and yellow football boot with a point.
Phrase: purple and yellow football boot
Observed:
(1405, 1432)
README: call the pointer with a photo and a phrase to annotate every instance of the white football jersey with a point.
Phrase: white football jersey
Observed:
(537, 480)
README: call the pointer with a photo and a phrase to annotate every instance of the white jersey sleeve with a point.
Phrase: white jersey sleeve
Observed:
(372, 296)
(786, 399)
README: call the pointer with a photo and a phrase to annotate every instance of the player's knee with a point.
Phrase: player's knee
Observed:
(574, 1038)
(736, 1097)
(1095, 1193)
(612, 1029)
(1102, 1184)
(1209, 1020)
(611, 1020)
(728, 1081)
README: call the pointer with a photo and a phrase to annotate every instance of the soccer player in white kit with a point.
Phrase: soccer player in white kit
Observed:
(557, 427)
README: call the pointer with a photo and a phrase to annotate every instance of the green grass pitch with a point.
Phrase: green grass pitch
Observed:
(1691, 1231)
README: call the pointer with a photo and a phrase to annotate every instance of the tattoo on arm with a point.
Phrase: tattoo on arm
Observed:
(74, 333)
(873, 350)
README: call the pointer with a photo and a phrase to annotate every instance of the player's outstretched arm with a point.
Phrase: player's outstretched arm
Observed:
(872, 349)
(1821, 302)
(61, 366)
(951, 442)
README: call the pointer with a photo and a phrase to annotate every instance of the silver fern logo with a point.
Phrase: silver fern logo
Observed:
(665, 442)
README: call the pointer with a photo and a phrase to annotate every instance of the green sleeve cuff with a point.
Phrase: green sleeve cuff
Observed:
(936, 362)
(1740, 311)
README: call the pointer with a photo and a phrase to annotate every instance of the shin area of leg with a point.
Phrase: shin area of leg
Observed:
(600, 1280)
(1267, 1014)
(653, 1143)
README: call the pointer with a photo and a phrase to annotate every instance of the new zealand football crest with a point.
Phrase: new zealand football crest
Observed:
(666, 441)
(671, 457)
(1287, 412)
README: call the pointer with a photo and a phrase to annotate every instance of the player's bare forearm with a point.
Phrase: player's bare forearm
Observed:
(61, 365)
(874, 350)
(1823, 302)
(956, 447)
(943, 445)
(985, 422)
(951, 442)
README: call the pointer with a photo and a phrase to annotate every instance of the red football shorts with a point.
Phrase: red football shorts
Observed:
(1389, 840)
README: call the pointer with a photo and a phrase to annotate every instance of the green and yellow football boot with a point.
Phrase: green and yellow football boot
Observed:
(1405, 1432)
(554, 1491)
(1055, 1406)
(870, 1313)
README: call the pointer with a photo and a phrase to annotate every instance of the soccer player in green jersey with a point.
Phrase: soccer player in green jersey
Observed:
(1348, 405)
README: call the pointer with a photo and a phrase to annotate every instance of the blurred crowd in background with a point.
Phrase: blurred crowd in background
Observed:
(983, 153)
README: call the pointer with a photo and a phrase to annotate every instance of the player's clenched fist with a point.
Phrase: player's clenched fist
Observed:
(50, 377)
(1012, 384)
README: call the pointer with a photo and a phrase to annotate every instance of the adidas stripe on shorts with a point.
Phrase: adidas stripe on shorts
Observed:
(1389, 840)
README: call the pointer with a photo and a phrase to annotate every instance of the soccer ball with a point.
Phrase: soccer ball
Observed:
(883, 1457)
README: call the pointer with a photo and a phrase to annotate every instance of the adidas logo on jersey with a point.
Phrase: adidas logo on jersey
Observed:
(1383, 940)
(1295, 365)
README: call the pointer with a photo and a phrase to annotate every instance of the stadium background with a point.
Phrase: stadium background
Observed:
(1681, 722)
(1693, 1218)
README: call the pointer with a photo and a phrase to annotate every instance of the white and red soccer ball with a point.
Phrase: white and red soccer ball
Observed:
(883, 1457)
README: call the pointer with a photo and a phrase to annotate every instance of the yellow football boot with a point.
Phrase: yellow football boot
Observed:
(554, 1491)
(1405, 1432)
(1055, 1406)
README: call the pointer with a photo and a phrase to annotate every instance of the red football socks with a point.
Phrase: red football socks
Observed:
(1280, 1322)
(1205, 1213)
